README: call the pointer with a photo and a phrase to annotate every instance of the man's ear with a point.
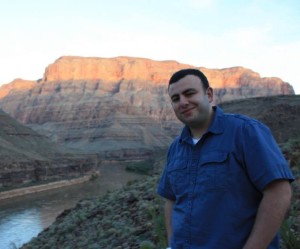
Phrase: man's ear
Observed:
(210, 94)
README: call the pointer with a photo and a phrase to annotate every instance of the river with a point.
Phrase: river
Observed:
(22, 218)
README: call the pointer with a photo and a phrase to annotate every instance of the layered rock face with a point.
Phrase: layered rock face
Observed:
(229, 83)
(117, 107)
(28, 157)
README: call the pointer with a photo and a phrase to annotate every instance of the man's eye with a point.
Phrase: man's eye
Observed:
(189, 93)
(175, 99)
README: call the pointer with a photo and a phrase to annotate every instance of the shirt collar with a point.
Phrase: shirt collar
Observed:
(216, 126)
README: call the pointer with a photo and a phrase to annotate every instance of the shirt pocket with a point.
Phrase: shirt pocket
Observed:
(214, 171)
(179, 177)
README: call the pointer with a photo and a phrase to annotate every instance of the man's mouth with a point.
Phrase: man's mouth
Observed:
(187, 110)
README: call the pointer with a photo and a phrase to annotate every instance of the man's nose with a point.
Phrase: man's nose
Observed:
(183, 101)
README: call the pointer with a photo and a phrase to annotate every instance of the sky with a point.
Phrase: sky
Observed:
(262, 35)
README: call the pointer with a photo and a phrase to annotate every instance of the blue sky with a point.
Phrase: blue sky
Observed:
(263, 35)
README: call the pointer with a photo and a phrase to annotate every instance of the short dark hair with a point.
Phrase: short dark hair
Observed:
(189, 71)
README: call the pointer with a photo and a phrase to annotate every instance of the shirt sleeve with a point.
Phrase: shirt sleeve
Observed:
(263, 158)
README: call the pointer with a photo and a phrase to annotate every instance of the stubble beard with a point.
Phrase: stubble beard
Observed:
(198, 120)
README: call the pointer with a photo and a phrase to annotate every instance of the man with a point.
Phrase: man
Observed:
(226, 182)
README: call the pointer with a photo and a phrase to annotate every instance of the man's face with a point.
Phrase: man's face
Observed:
(191, 104)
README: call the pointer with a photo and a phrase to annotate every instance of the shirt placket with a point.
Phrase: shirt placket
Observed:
(192, 169)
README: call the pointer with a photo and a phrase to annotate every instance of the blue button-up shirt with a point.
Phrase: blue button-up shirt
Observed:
(217, 184)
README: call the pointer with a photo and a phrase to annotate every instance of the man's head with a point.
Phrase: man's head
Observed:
(189, 71)
(191, 99)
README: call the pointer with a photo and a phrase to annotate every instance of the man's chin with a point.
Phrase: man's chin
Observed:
(187, 121)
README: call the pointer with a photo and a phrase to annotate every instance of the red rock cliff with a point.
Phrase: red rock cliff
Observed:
(154, 72)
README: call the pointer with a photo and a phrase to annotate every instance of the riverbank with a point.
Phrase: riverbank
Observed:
(43, 187)
(128, 217)
(24, 217)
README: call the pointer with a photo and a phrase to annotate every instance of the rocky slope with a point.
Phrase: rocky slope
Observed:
(29, 158)
(131, 218)
(117, 107)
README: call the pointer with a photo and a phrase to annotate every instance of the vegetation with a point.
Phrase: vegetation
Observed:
(133, 217)
(291, 150)
(142, 167)
(127, 218)
(290, 234)
(290, 229)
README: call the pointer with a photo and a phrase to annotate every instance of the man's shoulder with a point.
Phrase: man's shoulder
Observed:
(240, 119)
(232, 120)
(176, 140)
(232, 117)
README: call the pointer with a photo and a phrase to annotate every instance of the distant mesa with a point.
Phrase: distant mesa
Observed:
(117, 107)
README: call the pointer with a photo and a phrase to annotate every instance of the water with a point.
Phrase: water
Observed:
(24, 217)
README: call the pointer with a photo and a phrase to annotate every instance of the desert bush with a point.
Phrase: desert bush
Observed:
(290, 234)
(143, 167)
(147, 245)
(290, 229)
(291, 150)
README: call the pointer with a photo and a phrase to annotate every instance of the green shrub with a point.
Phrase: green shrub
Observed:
(147, 245)
(289, 235)
(291, 150)
(143, 167)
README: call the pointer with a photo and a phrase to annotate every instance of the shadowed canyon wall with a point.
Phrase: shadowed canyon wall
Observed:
(28, 157)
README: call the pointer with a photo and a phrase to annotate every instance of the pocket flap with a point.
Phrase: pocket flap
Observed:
(214, 157)
(177, 165)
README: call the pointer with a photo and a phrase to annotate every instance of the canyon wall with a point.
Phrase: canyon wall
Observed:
(28, 157)
(117, 107)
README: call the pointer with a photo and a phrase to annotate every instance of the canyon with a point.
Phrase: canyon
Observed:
(117, 107)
